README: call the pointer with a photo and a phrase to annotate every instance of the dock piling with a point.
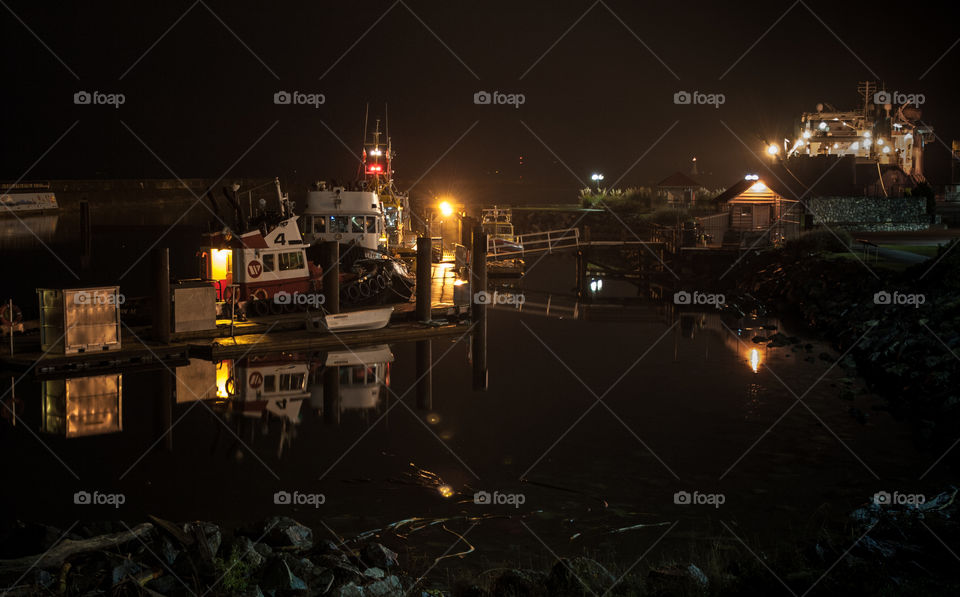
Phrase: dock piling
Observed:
(161, 296)
(85, 237)
(331, 395)
(330, 263)
(478, 309)
(425, 375)
(424, 277)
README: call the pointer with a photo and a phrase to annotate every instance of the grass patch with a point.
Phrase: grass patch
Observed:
(925, 250)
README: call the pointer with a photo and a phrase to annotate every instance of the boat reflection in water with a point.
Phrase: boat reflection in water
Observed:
(737, 334)
(26, 232)
(84, 406)
(271, 394)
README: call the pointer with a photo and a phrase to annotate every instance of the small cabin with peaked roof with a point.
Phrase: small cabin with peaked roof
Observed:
(753, 205)
(679, 188)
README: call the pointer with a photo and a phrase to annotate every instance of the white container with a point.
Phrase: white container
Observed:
(78, 407)
(80, 320)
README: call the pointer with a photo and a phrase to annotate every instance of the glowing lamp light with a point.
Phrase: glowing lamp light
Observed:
(596, 285)
(823, 126)
(773, 149)
(806, 134)
(854, 146)
(886, 149)
(596, 177)
(446, 209)
(880, 141)
(866, 134)
(751, 177)
(754, 358)
(374, 169)
(445, 491)
(219, 259)
(758, 187)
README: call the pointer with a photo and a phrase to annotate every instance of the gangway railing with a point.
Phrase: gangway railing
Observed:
(534, 242)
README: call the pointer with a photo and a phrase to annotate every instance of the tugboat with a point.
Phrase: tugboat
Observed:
(267, 269)
(371, 221)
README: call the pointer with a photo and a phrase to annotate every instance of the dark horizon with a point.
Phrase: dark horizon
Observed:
(598, 87)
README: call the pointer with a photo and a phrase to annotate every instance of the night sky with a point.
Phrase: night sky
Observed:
(598, 80)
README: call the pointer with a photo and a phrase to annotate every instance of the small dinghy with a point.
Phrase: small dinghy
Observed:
(368, 319)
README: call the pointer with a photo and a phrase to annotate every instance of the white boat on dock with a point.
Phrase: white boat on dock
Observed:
(367, 319)
(27, 203)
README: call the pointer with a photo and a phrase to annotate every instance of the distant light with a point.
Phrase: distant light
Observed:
(596, 177)
(758, 187)
(751, 177)
(836, 145)
(446, 209)
(374, 169)
(754, 359)
(596, 285)
(445, 490)
(880, 141)
(823, 126)
(854, 146)
(773, 149)
(376, 152)
(886, 149)
(867, 142)
(806, 134)
(866, 134)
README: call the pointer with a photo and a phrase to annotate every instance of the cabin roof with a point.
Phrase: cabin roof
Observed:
(678, 180)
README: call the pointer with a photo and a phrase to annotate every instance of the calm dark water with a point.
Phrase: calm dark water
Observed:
(598, 423)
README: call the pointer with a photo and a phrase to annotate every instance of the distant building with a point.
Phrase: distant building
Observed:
(679, 189)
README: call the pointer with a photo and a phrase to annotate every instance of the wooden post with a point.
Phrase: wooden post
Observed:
(330, 264)
(425, 375)
(161, 296)
(331, 395)
(581, 274)
(85, 238)
(424, 278)
(478, 284)
(166, 407)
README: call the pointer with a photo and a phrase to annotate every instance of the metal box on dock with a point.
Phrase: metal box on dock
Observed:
(82, 406)
(79, 320)
(194, 306)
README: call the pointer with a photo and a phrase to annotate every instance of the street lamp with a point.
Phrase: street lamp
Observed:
(596, 177)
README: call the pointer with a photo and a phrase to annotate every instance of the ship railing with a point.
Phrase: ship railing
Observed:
(535, 242)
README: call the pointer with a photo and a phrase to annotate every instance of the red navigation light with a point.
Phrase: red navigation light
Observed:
(374, 169)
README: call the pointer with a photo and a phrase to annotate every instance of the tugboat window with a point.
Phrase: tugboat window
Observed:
(371, 224)
(289, 261)
(269, 383)
(319, 225)
(356, 224)
(268, 262)
(339, 224)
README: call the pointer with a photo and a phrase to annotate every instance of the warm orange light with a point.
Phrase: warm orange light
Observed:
(220, 263)
(758, 187)
(445, 490)
(224, 371)
(446, 209)
(754, 359)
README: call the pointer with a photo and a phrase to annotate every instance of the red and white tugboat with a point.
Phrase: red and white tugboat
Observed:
(265, 269)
